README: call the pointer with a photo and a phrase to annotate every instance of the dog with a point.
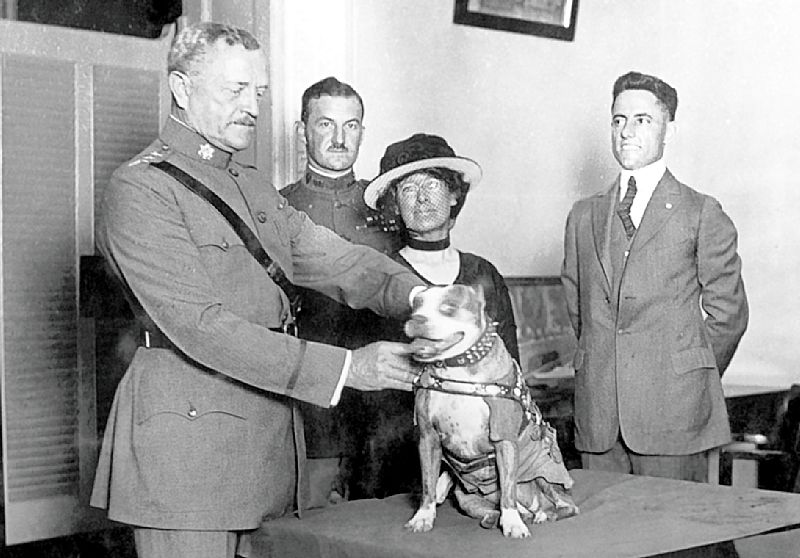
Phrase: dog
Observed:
(475, 412)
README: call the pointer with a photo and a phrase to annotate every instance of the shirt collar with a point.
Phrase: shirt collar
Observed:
(317, 181)
(181, 137)
(647, 178)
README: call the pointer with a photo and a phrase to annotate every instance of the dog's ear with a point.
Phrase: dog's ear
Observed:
(478, 303)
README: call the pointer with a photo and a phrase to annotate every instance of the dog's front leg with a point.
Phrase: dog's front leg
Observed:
(430, 458)
(510, 519)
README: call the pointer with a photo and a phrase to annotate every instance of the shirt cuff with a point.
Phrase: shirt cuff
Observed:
(337, 393)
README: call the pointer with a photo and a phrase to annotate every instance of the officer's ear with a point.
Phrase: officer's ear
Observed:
(181, 87)
(300, 131)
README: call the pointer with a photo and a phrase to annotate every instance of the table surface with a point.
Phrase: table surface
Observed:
(621, 516)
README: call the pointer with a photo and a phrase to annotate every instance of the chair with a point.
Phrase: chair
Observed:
(766, 439)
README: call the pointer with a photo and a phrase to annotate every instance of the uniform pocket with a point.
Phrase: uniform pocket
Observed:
(216, 236)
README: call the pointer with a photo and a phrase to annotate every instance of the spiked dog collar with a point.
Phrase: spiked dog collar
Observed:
(475, 353)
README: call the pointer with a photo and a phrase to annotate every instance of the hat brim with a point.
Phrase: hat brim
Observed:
(470, 169)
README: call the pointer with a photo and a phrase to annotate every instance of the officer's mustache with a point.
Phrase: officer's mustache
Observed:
(245, 121)
(337, 147)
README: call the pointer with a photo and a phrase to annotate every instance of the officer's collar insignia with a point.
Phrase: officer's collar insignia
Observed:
(206, 152)
(329, 183)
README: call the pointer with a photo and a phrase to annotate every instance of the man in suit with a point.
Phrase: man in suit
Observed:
(331, 123)
(655, 295)
(204, 441)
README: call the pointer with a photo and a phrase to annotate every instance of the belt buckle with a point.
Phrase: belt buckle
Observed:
(290, 328)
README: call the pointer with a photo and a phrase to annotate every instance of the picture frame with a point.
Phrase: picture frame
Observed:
(554, 19)
(547, 342)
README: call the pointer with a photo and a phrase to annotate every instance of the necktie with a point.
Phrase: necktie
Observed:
(624, 209)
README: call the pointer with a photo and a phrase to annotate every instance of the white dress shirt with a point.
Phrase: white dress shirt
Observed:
(647, 179)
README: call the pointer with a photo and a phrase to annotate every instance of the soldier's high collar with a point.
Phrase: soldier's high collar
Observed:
(180, 137)
(326, 183)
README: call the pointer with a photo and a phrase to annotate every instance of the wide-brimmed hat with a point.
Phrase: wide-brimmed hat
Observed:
(420, 151)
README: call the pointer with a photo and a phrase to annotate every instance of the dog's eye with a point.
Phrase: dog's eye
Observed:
(448, 309)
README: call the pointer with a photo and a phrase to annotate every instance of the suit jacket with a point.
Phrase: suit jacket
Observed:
(650, 357)
(200, 435)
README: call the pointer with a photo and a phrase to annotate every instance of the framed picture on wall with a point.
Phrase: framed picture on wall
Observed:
(547, 341)
(554, 19)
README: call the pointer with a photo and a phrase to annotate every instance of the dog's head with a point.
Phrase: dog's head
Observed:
(445, 321)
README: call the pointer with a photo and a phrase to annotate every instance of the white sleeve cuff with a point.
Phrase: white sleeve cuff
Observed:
(342, 378)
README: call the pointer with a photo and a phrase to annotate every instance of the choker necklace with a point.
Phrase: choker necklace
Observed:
(428, 245)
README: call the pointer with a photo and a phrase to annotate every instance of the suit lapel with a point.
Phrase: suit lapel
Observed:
(602, 213)
(662, 205)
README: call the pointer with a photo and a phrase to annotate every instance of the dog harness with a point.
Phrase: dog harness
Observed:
(517, 391)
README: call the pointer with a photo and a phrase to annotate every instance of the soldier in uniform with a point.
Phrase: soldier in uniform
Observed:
(331, 122)
(203, 441)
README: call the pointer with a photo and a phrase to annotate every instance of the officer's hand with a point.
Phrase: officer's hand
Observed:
(381, 365)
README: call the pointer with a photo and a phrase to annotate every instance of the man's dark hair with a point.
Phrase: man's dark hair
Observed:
(328, 86)
(664, 92)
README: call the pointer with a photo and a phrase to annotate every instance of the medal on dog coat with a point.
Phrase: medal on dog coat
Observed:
(475, 412)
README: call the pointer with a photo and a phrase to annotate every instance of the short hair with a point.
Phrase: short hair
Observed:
(454, 180)
(664, 92)
(192, 43)
(328, 86)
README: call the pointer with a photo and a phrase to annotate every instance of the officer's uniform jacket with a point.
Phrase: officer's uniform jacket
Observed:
(654, 338)
(200, 435)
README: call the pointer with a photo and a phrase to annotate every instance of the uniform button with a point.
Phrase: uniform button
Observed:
(192, 412)
(225, 245)
(668, 206)
(620, 331)
(262, 217)
(281, 205)
(337, 204)
(234, 172)
(627, 253)
(165, 147)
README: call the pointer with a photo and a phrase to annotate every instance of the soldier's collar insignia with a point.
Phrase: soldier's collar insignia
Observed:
(206, 152)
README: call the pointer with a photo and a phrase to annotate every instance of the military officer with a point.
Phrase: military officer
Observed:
(331, 123)
(203, 441)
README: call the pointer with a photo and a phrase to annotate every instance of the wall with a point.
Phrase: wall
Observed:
(535, 113)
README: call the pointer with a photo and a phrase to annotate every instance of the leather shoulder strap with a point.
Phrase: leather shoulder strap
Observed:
(249, 238)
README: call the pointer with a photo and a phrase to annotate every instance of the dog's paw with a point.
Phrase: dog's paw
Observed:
(512, 524)
(567, 510)
(490, 520)
(422, 520)
(541, 517)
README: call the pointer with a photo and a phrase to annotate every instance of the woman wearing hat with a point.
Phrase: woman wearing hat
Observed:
(422, 187)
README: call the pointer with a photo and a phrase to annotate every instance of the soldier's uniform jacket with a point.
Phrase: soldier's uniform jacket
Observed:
(200, 435)
(338, 204)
